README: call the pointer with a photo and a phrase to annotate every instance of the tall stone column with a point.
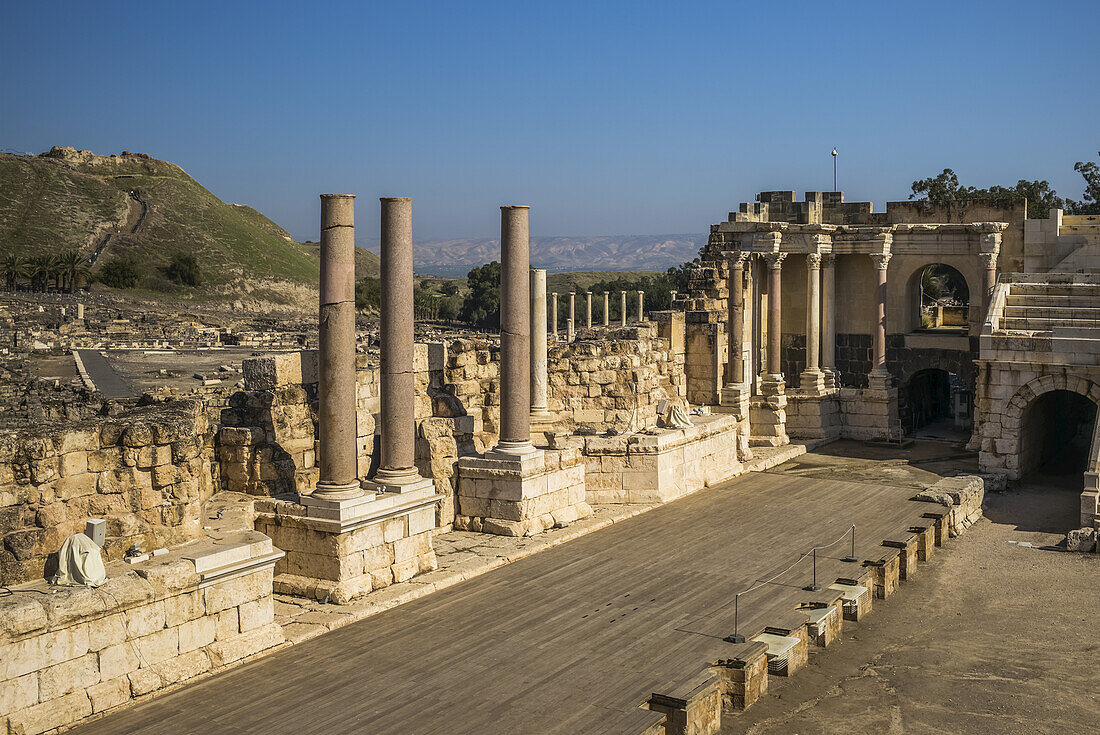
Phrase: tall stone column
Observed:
(828, 331)
(879, 375)
(539, 380)
(735, 392)
(554, 315)
(397, 417)
(641, 306)
(572, 312)
(337, 460)
(588, 309)
(775, 326)
(672, 297)
(813, 379)
(606, 311)
(515, 335)
(622, 315)
(990, 261)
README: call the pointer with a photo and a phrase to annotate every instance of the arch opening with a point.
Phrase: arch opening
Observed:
(939, 299)
(1055, 437)
(936, 405)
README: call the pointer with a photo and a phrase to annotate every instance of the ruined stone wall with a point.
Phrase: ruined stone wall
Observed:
(147, 472)
(82, 651)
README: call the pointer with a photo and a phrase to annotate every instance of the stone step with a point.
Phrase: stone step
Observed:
(1047, 323)
(1024, 311)
(1054, 289)
(1079, 300)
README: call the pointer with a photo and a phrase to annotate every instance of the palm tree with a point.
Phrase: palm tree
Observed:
(71, 264)
(14, 267)
(40, 269)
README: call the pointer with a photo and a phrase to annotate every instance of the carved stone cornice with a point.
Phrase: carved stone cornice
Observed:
(767, 242)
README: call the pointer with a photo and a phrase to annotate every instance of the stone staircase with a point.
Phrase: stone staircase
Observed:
(1071, 308)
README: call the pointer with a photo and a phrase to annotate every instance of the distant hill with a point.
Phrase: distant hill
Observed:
(131, 205)
(562, 254)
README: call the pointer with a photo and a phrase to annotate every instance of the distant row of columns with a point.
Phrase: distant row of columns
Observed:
(571, 322)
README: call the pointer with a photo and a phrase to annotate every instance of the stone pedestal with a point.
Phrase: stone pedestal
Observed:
(768, 414)
(521, 495)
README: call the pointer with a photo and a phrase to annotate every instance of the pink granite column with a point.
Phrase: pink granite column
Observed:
(398, 379)
(515, 335)
(337, 460)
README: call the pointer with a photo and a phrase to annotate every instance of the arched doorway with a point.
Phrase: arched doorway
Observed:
(1055, 437)
(939, 299)
(935, 405)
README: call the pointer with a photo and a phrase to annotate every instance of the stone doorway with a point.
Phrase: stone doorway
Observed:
(935, 405)
(1055, 437)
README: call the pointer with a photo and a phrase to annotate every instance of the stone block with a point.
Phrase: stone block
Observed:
(196, 633)
(50, 715)
(223, 652)
(256, 614)
(109, 694)
(19, 693)
(118, 660)
(70, 676)
(159, 646)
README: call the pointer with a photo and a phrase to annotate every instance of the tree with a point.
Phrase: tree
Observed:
(368, 293)
(449, 288)
(1090, 204)
(183, 269)
(40, 269)
(71, 265)
(481, 307)
(946, 191)
(14, 268)
(121, 273)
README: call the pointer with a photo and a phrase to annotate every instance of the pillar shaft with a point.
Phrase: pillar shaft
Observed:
(554, 315)
(737, 322)
(828, 331)
(813, 311)
(775, 342)
(641, 306)
(398, 380)
(622, 314)
(515, 336)
(538, 341)
(878, 367)
(588, 309)
(606, 305)
(990, 275)
(337, 461)
(573, 307)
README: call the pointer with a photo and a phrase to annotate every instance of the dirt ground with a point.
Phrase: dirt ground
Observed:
(996, 635)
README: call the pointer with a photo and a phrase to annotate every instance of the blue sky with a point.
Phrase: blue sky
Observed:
(605, 117)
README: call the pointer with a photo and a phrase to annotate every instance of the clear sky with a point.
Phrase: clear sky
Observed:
(606, 117)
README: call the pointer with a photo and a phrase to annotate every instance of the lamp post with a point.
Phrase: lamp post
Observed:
(834, 170)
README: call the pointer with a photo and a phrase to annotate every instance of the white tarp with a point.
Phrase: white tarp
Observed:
(80, 561)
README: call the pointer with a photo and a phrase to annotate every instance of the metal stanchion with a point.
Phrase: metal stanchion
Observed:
(815, 587)
(851, 558)
(735, 637)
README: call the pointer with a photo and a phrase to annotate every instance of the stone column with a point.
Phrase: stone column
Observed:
(572, 313)
(828, 331)
(515, 336)
(397, 416)
(588, 309)
(775, 341)
(735, 392)
(990, 261)
(606, 309)
(879, 376)
(641, 306)
(622, 315)
(80, 311)
(813, 379)
(337, 461)
(570, 330)
(554, 315)
(538, 344)
(671, 297)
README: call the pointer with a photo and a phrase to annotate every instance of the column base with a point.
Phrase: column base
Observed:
(509, 450)
(768, 414)
(735, 399)
(812, 382)
(880, 380)
(372, 504)
(331, 491)
(832, 378)
(520, 495)
(389, 481)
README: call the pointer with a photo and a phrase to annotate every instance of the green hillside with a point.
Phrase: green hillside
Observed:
(134, 206)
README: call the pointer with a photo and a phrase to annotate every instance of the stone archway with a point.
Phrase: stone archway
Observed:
(1014, 425)
(937, 297)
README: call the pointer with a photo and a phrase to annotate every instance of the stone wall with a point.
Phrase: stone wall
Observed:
(81, 651)
(147, 472)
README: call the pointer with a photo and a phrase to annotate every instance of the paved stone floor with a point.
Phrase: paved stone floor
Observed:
(995, 636)
(558, 641)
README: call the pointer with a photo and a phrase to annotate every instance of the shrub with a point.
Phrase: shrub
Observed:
(122, 273)
(183, 269)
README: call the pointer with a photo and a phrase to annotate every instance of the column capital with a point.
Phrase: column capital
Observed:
(881, 260)
(989, 260)
(990, 242)
(813, 261)
(828, 260)
(774, 260)
(736, 258)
